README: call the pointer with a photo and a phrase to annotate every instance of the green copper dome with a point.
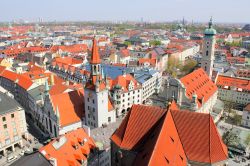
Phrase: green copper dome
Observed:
(210, 30)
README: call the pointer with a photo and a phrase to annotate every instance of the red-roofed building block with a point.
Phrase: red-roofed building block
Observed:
(167, 137)
(194, 91)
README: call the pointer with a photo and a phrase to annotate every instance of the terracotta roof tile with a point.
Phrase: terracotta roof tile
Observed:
(128, 136)
(95, 58)
(199, 136)
(66, 153)
(71, 105)
(227, 82)
(199, 83)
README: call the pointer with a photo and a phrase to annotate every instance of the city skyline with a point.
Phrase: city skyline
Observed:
(129, 11)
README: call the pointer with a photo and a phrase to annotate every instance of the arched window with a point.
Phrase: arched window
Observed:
(50, 125)
(55, 133)
(207, 53)
(95, 68)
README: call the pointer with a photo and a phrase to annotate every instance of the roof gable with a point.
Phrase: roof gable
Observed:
(198, 83)
(204, 145)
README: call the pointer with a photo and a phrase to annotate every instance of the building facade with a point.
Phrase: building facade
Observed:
(234, 89)
(125, 91)
(13, 124)
(194, 91)
(246, 116)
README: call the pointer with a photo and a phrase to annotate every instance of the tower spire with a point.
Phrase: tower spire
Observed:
(210, 24)
(95, 58)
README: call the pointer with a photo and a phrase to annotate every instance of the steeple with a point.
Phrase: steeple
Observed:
(210, 24)
(95, 58)
(208, 49)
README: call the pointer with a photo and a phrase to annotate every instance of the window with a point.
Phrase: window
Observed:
(166, 159)
(172, 139)
(12, 116)
(109, 119)
(93, 118)
(206, 53)
(93, 109)
(88, 99)
(181, 158)
(93, 101)
(205, 68)
(14, 130)
(4, 119)
(5, 126)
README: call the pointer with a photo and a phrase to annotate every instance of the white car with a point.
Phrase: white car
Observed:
(22, 153)
(11, 158)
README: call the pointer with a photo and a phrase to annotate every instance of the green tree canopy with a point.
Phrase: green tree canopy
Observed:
(190, 64)
(155, 42)
(127, 43)
(247, 140)
(230, 138)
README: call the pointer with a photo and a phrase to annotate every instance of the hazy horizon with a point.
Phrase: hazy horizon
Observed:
(223, 11)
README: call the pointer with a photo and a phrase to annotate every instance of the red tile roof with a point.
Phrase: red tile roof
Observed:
(21, 80)
(95, 58)
(124, 81)
(67, 61)
(199, 136)
(173, 106)
(243, 73)
(67, 153)
(127, 136)
(76, 48)
(158, 136)
(198, 83)
(227, 82)
(247, 108)
(2, 68)
(142, 61)
(124, 52)
(70, 104)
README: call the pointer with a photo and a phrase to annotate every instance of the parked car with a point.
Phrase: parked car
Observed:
(11, 158)
(22, 152)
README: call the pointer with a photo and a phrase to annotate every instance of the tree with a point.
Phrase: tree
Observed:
(127, 43)
(228, 107)
(230, 138)
(189, 66)
(155, 43)
(172, 66)
(236, 119)
(247, 140)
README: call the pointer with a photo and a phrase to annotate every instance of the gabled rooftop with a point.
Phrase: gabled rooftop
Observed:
(146, 131)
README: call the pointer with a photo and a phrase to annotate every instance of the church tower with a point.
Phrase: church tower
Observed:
(98, 110)
(209, 41)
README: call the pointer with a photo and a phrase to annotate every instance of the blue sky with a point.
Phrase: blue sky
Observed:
(149, 10)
